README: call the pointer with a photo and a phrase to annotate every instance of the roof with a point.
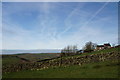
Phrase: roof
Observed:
(107, 44)
(100, 45)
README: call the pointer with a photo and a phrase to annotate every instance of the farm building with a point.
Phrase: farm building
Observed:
(105, 46)
(99, 47)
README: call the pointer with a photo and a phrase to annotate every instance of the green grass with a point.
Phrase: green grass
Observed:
(97, 52)
(10, 60)
(37, 57)
(108, 69)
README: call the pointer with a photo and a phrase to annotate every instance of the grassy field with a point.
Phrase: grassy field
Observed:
(98, 52)
(12, 59)
(107, 69)
(37, 57)
(92, 70)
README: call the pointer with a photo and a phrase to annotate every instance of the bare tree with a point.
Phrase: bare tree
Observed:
(69, 50)
(89, 46)
(74, 49)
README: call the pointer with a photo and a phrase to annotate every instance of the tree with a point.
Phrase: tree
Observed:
(89, 46)
(69, 50)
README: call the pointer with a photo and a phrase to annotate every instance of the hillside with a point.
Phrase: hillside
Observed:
(20, 58)
(103, 64)
(105, 69)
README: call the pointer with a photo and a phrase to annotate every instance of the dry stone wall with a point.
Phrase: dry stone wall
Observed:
(78, 60)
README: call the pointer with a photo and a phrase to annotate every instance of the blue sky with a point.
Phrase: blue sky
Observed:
(54, 25)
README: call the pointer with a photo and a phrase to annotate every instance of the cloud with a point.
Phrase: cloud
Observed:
(94, 15)
(90, 31)
(76, 12)
(46, 7)
(47, 32)
(16, 36)
(82, 14)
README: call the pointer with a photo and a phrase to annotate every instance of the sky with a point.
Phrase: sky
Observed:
(54, 25)
(60, 0)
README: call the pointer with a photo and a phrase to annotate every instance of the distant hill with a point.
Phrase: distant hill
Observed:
(30, 51)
